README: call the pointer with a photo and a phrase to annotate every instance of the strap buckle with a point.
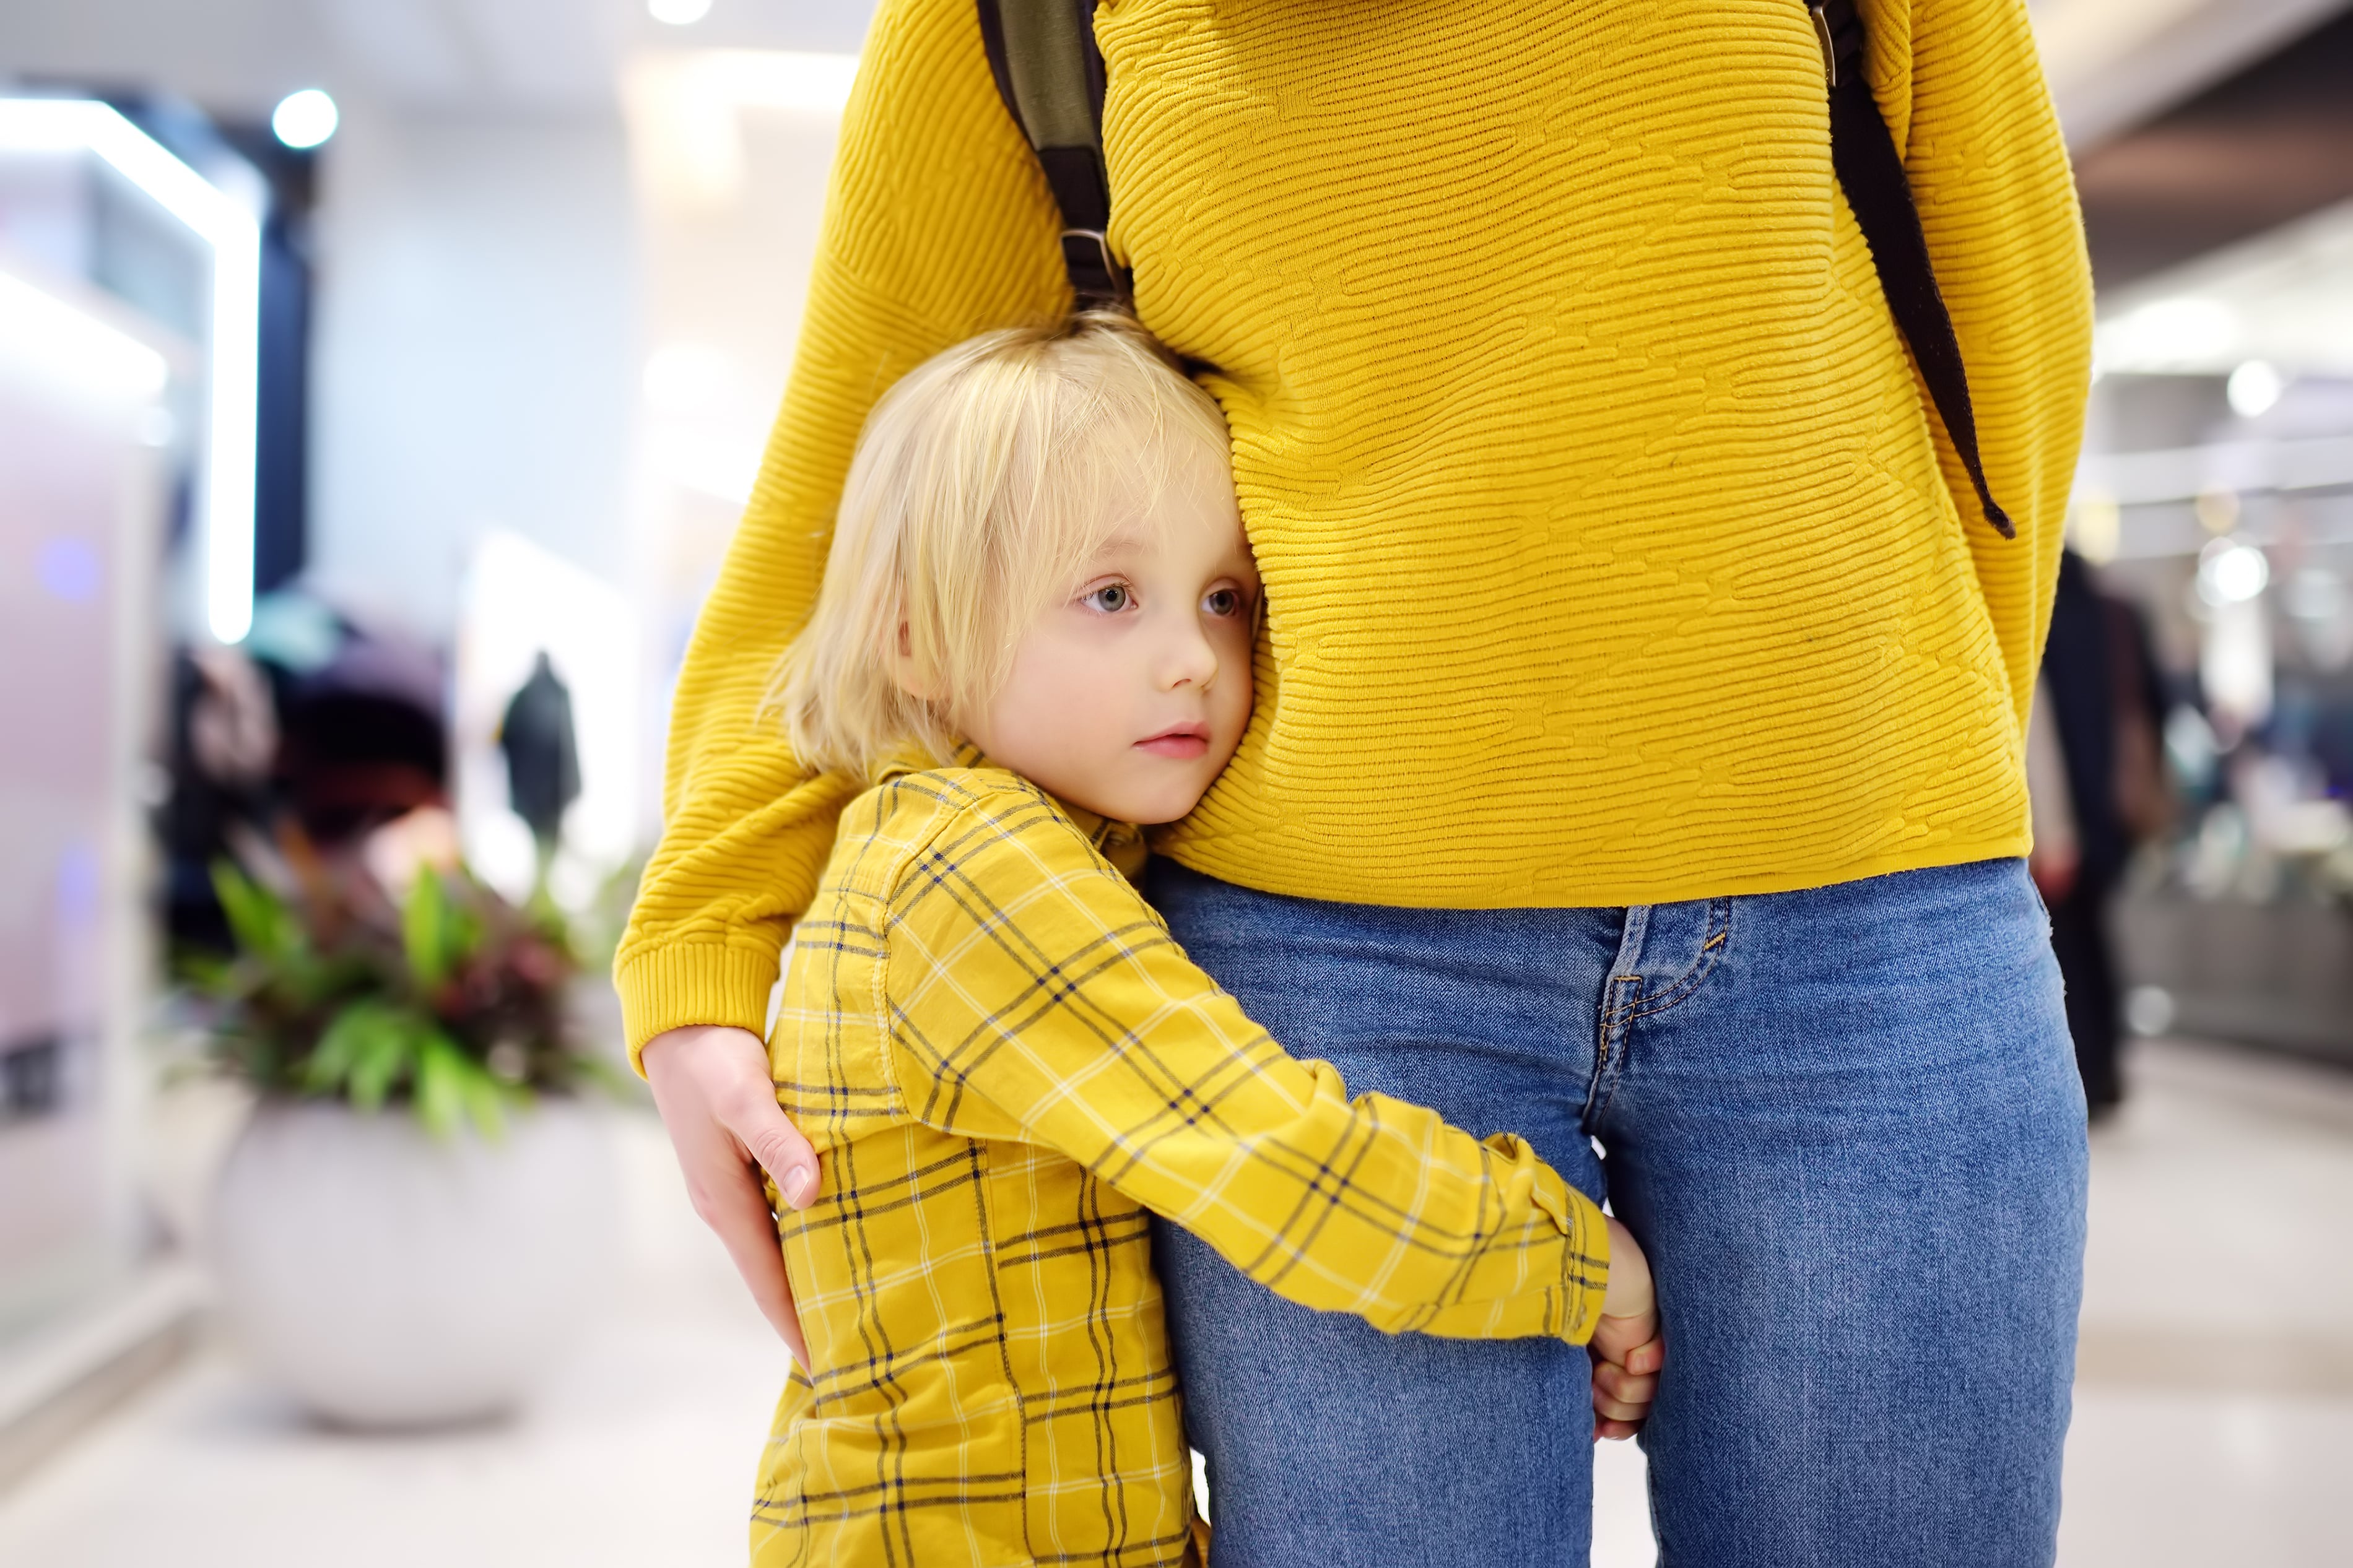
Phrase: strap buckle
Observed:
(1837, 27)
(1089, 247)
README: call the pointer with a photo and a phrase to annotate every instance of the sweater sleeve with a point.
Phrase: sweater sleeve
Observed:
(937, 226)
(1035, 998)
(1962, 89)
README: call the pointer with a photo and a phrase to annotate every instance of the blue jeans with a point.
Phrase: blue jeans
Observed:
(1845, 1125)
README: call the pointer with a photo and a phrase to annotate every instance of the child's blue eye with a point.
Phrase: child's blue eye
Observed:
(1222, 602)
(1111, 598)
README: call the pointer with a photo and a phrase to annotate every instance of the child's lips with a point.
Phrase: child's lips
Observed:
(1180, 742)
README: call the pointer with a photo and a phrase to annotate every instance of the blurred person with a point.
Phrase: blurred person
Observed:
(1034, 635)
(2097, 773)
(542, 756)
(1642, 758)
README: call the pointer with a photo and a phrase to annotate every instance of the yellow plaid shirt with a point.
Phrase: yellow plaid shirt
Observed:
(1005, 1062)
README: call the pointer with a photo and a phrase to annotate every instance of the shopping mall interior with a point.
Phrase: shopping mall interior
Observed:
(380, 385)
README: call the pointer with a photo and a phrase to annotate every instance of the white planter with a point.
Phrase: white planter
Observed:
(389, 1278)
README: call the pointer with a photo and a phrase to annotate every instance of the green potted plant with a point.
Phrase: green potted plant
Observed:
(418, 1211)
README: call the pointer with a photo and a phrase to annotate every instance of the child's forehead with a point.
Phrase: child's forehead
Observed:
(1167, 495)
(1205, 529)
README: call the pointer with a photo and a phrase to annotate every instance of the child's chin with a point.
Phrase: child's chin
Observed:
(1153, 807)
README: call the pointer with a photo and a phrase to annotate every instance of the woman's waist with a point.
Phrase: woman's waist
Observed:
(1533, 799)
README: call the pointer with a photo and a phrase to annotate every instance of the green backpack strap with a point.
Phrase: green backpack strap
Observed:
(1050, 75)
(1862, 151)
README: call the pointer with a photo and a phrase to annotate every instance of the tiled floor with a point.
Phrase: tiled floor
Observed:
(2214, 1417)
(2214, 1382)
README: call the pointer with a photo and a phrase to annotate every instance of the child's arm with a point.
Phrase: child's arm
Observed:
(1035, 997)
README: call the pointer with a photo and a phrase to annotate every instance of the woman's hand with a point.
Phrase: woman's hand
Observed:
(1626, 1348)
(711, 1086)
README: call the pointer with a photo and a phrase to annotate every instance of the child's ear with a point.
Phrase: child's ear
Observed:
(908, 675)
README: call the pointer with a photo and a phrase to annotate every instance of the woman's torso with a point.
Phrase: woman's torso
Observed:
(1606, 549)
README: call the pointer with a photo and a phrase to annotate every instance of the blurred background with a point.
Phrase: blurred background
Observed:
(380, 381)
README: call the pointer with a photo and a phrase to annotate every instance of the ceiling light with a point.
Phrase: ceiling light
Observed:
(678, 13)
(305, 119)
(2230, 573)
(2253, 388)
(233, 344)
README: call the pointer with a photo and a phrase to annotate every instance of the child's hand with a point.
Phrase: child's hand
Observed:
(1627, 1350)
(719, 1106)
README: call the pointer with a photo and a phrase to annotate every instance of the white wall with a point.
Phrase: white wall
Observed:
(475, 351)
(731, 191)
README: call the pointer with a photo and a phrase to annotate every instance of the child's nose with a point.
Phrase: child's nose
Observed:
(1191, 662)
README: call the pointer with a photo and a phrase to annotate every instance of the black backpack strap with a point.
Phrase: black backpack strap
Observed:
(1862, 150)
(1050, 75)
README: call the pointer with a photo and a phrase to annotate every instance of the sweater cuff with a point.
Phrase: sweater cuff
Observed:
(674, 984)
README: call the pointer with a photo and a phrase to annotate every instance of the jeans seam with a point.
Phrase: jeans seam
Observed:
(1719, 937)
(1625, 972)
(1618, 1022)
(1611, 1050)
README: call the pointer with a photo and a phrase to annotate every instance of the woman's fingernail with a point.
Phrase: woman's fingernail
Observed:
(797, 1184)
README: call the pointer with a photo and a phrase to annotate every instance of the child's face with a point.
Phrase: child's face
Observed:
(1130, 694)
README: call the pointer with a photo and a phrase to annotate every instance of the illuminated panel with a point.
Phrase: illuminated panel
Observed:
(67, 125)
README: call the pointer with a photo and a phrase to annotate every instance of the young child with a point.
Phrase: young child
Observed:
(1035, 632)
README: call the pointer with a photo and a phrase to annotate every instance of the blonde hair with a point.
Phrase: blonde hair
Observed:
(983, 481)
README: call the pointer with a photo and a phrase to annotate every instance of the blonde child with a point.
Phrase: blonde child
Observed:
(1035, 634)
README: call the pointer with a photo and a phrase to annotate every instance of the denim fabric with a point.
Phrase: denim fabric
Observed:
(1846, 1126)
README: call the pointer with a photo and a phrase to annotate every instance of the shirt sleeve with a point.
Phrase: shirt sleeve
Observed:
(1035, 997)
(1961, 86)
(937, 226)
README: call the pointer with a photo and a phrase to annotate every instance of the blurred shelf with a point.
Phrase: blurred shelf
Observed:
(2275, 975)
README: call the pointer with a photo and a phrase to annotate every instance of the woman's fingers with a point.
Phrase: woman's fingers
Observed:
(732, 1204)
(708, 1078)
(750, 1113)
(711, 1087)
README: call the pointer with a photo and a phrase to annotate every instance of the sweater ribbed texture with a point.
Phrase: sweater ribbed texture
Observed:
(1611, 547)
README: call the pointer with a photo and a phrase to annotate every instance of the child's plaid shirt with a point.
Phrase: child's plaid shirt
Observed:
(1005, 1062)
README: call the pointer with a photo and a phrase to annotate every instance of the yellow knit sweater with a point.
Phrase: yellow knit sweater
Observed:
(1610, 549)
